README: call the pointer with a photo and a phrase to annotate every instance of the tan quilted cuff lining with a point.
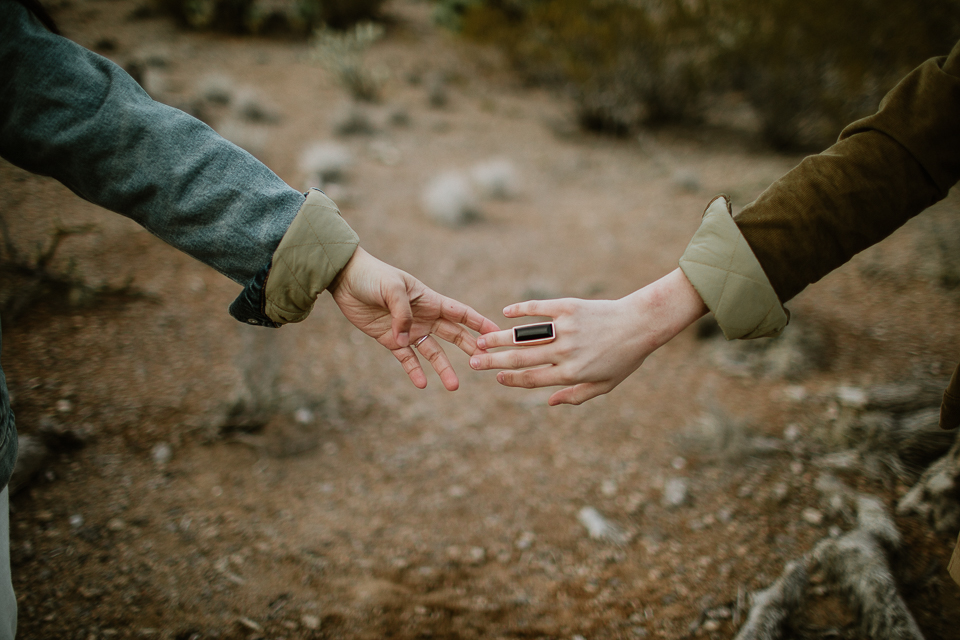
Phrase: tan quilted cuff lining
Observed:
(318, 244)
(727, 275)
(954, 567)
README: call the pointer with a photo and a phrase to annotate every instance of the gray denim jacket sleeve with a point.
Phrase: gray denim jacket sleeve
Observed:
(71, 114)
(68, 113)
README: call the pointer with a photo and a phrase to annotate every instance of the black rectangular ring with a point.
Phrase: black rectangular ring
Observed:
(537, 333)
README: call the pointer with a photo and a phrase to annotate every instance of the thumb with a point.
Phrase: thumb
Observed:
(398, 303)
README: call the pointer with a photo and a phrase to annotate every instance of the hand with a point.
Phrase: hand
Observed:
(599, 342)
(395, 309)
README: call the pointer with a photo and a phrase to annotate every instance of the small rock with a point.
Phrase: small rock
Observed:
(792, 432)
(678, 463)
(310, 622)
(812, 516)
(525, 541)
(116, 524)
(598, 527)
(779, 492)
(449, 200)
(64, 406)
(249, 624)
(476, 555)
(853, 397)
(795, 393)
(303, 416)
(76, 521)
(674, 492)
(162, 453)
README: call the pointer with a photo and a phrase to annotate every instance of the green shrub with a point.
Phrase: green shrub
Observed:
(807, 68)
(622, 63)
(341, 53)
(258, 16)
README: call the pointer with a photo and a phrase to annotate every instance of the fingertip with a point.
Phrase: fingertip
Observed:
(489, 327)
(481, 344)
(403, 339)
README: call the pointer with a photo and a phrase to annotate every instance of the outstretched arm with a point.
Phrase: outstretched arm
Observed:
(599, 342)
(884, 170)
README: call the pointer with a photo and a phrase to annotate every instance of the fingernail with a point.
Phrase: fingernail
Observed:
(474, 363)
(403, 339)
(481, 343)
(505, 310)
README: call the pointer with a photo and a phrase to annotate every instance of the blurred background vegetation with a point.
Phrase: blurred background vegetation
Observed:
(264, 16)
(807, 68)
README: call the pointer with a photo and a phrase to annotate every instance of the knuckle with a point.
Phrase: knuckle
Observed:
(527, 380)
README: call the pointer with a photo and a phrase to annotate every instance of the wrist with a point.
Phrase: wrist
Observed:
(669, 305)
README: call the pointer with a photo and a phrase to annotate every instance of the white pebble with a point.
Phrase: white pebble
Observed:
(450, 200)
(812, 516)
(303, 415)
(852, 397)
(674, 492)
(162, 453)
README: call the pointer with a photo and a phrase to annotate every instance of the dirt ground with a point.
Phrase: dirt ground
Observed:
(365, 508)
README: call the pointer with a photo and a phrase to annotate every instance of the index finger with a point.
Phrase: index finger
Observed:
(460, 313)
(547, 308)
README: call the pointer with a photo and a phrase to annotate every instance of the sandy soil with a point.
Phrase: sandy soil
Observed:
(368, 509)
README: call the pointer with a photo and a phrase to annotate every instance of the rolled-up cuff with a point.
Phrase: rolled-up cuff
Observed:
(723, 269)
(315, 248)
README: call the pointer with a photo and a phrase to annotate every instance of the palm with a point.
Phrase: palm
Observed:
(396, 309)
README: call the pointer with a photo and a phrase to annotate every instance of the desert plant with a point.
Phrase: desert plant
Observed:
(258, 16)
(807, 69)
(341, 53)
(27, 279)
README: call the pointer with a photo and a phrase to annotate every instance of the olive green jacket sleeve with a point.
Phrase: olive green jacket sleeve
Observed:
(884, 170)
(316, 247)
